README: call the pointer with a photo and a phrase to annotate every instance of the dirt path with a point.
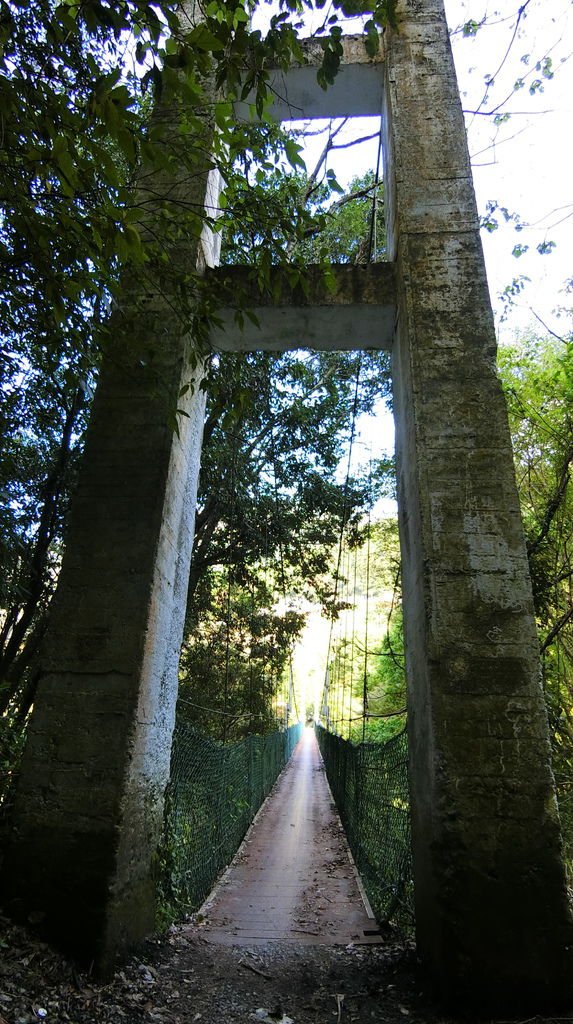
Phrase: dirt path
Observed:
(214, 973)
(281, 941)
(293, 879)
(177, 979)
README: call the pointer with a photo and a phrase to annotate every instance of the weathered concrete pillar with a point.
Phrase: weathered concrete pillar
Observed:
(89, 807)
(89, 804)
(493, 922)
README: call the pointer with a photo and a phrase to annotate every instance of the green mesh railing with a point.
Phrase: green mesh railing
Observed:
(369, 783)
(214, 792)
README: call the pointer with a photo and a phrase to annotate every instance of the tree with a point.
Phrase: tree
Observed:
(276, 432)
(513, 74)
(42, 421)
(537, 374)
(270, 509)
(80, 133)
(239, 642)
(39, 460)
(366, 677)
(99, 103)
(313, 219)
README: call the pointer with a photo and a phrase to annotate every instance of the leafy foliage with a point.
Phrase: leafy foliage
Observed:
(233, 660)
(277, 428)
(269, 517)
(108, 129)
(42, 422)
(387, 689)
(367, 686)
(313, 223)
(538, 379)
(79, 134)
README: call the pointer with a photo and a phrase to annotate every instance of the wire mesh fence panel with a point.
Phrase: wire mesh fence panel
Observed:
(214, 792)
(369, 783)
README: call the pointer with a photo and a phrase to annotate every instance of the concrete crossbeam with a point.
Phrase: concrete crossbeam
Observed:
(354, 310)
(356, 91)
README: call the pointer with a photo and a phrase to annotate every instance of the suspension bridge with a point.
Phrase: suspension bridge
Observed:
(215, 792)
(491, 908)
(220, 777)
(293, 879)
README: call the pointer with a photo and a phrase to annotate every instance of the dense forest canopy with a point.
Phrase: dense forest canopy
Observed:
(102, 103)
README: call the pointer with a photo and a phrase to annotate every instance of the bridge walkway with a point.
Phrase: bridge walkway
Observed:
(293, 878)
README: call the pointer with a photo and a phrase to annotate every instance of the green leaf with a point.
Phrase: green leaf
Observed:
(545, 247)
(133, 239)
(372, 40)
(252, 317)
(64, 164)
(519, 250)
(203, 39)
(333, 184)
(386, 13)
(224, 115)
(471, 28)
(293, 154)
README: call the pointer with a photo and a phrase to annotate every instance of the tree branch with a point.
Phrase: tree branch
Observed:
(554, 632)
(553, 505)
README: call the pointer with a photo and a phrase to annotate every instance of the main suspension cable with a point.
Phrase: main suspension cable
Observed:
(367, 608)
(343, 524)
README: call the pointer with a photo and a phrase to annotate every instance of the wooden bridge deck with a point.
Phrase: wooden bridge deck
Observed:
(293, 879)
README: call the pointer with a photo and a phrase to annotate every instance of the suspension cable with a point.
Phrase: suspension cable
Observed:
(367, 607)
(344, 516)
(283, 577)
(372, 241)
(232, 524)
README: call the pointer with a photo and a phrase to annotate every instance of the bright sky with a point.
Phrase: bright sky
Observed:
(524, 164)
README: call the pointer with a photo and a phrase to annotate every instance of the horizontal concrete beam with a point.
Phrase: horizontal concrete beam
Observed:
(355, 92)
(356, 311)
